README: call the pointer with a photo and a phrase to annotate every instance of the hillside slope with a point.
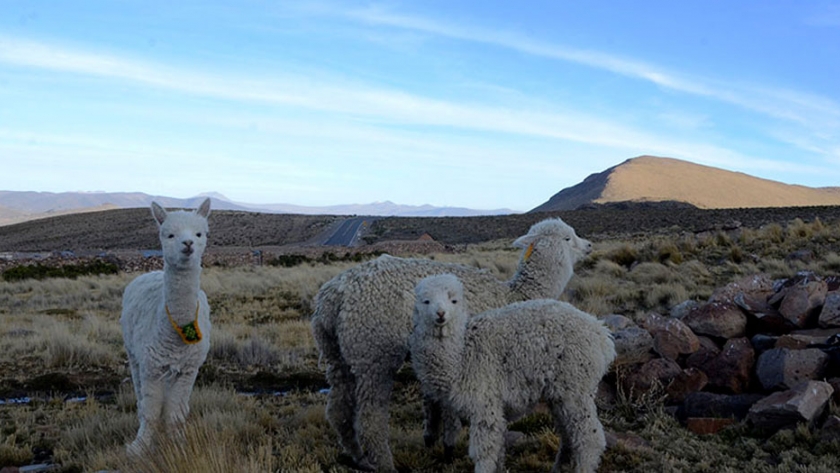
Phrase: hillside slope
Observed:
(654, 179)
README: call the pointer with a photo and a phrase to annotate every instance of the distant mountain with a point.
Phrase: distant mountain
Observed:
(16, 207)
(653, 179)
(383, 209)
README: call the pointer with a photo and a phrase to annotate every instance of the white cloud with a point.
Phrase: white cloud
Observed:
(387, 106)
(776, 102)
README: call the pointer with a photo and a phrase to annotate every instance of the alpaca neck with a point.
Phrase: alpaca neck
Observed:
(444, 361)
(180, 292)
(540, 278)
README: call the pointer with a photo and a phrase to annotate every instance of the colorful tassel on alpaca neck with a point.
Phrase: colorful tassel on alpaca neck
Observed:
(190, 333)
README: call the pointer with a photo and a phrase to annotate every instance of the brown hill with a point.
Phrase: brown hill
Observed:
(10, 216)
(134, 229)
(654, 179)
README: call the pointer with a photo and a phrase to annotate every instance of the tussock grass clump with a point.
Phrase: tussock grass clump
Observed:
(624, 255)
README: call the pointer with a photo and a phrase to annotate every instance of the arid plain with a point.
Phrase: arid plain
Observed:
(259, 404)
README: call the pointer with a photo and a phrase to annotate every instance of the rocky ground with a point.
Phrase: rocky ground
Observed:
(761, 351)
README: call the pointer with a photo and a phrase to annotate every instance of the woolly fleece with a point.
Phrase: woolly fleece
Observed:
(500, 363)
(362, 322)
(163, 367)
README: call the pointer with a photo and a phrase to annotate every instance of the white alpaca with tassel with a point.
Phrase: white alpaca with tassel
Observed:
(166, 326)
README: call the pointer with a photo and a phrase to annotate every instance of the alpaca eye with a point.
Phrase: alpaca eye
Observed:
(427, 302)
(198, 234)
(568, 238)
(171, 236)
(454, 301)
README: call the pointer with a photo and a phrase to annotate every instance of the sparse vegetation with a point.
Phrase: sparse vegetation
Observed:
(70, 271)
(257, 405)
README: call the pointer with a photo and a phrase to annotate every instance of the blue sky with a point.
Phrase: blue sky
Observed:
(478, 104)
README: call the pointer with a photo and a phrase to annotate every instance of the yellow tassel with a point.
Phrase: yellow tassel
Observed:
(528, 252)
(189, 333)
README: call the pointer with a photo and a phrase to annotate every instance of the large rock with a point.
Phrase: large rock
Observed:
(732, 369)
(617, 322)
(706, 404)
(763, 316)
(830, 313)
(758, 286)
(708, 351)
(659, 371)
(801, 297)
(830, 430)
(782, 368)
(682, 309)
(762, 342)
(671, 337)
(804, 402)
(717, 319)
(633, 345)
(690, 380)
(707, 425)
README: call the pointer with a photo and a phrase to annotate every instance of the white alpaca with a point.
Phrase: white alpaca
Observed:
(362, 322)
(498, 364)
(166, 325)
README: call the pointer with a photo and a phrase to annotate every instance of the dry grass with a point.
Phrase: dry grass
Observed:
(62, 336)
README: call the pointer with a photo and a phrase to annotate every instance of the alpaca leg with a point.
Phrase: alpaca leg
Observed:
(431, 421)
(451, 429)
(564, 454)
(176, 405)
(583, 432)
(135, 378)
(373, 398)
(487, 444)
(149, 410)
(341, 406)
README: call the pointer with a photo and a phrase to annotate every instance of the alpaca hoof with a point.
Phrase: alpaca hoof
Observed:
(448, 453)
(350, 462)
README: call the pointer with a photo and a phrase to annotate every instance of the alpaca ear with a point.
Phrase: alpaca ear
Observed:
(159, 213)
(204, 209)
(524, 241)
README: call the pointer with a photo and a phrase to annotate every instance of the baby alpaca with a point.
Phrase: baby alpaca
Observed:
(166, 325)
(503, 361)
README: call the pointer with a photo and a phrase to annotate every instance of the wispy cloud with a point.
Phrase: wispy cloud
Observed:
(389, 107)
(774, 101)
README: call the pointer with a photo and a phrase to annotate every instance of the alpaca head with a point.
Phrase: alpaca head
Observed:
(183, 234)
(553, 236)
(439, 306)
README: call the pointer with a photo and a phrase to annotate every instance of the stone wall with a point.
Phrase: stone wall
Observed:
(759, 351)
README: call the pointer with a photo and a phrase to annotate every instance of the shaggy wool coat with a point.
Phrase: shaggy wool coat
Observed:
(362, 322)
(500, 363)
(163, 365)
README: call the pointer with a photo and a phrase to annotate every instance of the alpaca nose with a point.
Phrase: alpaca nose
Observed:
(441, 314)
(187, 246)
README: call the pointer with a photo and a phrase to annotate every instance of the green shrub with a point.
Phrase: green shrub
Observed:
(70, 271)
(289, 261)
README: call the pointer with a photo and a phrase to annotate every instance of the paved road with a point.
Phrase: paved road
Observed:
(348, 232)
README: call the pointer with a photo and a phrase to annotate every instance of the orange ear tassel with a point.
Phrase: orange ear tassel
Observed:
(528, 252)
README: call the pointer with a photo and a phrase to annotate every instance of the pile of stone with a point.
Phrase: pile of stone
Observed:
(759, 351)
